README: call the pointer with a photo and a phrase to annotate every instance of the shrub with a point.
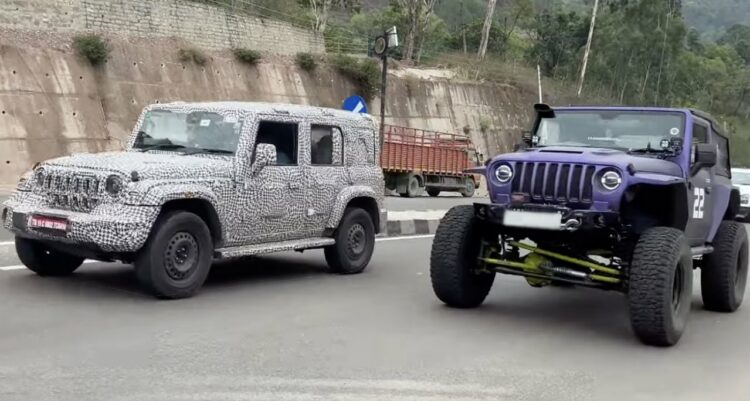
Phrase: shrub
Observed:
(247, 56)
(306, 61)
(364, 73)
(92, 47)
(192, 55)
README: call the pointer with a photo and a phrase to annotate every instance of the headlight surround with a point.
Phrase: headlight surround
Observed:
(745, 198)
(504, 173)
(25, 183)
(114, 185)
(610, 180)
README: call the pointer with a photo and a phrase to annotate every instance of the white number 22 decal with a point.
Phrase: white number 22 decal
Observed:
(698, 202)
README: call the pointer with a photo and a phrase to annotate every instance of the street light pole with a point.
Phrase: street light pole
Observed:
(383, 44)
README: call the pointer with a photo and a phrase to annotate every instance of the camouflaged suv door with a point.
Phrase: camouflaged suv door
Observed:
(325, 175)
(272, 199)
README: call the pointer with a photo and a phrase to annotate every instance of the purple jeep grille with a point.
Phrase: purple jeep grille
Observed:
(554, 182)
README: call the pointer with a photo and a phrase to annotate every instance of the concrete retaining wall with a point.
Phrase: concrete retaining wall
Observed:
(203, 25)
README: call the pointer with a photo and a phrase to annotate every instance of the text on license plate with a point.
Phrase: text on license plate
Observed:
(53, 223)
(538, 220)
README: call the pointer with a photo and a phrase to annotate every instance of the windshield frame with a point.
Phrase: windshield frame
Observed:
(656, 148)
(236, 113)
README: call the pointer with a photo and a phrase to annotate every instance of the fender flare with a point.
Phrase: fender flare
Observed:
(343, 199)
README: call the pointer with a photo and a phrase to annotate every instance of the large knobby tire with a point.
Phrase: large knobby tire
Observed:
(45, 261)
(433, 192)
(660, 286)
(469, 189)
(355, 243)
(177, 257)
(724, 272)
(453, 260)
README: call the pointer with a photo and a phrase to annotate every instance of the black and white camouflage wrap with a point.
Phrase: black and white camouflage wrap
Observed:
(274, 204)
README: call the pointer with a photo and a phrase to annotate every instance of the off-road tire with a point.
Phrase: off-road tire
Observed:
(724, 272)
(661, 265)
(469, 189)
(433, 192)
(453, 260)
(355, 243)
(158, 266)
(45, 261)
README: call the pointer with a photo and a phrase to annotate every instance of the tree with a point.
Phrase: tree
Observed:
(418, 14)
(320, 10)
(738, 36)
(488, 18)
(557, 38)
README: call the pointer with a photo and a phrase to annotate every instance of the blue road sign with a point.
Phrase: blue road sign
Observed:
(355, 104)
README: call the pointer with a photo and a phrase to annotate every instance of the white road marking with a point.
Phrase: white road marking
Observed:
(404, 238)
(7, 243)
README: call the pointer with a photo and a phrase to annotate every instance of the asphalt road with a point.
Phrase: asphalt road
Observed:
(278, 328)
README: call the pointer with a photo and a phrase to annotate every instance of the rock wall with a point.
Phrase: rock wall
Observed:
(52, 102)
(201, 24)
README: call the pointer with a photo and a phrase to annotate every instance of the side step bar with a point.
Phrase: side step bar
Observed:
(272, 247)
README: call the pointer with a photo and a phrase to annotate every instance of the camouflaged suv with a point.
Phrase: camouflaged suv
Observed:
(199, 182)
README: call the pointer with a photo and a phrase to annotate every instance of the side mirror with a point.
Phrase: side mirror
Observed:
(706, 155)
(265, 155)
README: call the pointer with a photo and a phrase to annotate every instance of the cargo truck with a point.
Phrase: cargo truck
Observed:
(415, 161)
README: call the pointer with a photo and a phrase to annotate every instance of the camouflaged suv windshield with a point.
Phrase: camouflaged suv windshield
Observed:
(626, 130)
(188, 132)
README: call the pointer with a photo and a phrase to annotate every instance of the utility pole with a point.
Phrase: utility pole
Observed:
(383, 43)
(588, 47)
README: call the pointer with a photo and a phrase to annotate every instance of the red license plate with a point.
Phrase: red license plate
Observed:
(52, 223)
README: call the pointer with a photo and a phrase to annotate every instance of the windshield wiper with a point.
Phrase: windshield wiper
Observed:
(162, 146)
(195, 151)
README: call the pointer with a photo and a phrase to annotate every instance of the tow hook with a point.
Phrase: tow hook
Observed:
(571, 225)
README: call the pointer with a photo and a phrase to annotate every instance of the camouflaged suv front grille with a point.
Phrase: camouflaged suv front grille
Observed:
(554, 182)
(79, 193)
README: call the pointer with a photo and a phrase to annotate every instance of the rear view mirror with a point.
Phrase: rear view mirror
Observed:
(265, 155)
(706, 154)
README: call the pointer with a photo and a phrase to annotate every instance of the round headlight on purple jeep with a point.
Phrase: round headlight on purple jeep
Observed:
(504, 173)
(611, 180)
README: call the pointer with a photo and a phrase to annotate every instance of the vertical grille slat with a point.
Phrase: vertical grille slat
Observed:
(562, 183)
(540, 170)
(77, 193)
(517, 168)
(574, 191)
(550, 180)
(528, 171)
(587, 191)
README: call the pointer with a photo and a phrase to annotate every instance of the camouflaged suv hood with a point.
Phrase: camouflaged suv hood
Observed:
(151, 165)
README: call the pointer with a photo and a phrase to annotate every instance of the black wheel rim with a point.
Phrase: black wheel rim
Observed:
(356, 240)
(469, 187)
(413, 185)
(677, 287)
(181, 256)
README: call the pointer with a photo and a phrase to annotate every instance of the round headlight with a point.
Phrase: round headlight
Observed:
(504, 173)
(113, 185)
(611, 180)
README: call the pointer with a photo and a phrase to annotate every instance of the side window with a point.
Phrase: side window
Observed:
(282, 135)
(325, 146)
(722, 159)
(700, 133)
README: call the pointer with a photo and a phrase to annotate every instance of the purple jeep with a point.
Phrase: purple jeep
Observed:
(623, 199)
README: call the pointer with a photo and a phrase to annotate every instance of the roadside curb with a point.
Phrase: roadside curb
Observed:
(406, 223)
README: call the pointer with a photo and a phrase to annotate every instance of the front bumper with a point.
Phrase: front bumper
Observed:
(114, 228)
(570, 219)
(744, 211)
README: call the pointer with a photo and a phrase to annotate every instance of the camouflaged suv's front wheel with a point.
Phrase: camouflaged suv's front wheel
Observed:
(355, 243)
(177, 256)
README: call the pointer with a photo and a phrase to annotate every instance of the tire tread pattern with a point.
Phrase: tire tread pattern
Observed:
(720, 268)
(454, 248)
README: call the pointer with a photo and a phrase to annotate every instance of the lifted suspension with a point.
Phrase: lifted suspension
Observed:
(540, 271)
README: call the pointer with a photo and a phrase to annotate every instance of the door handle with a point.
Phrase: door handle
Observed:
(294, 185)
